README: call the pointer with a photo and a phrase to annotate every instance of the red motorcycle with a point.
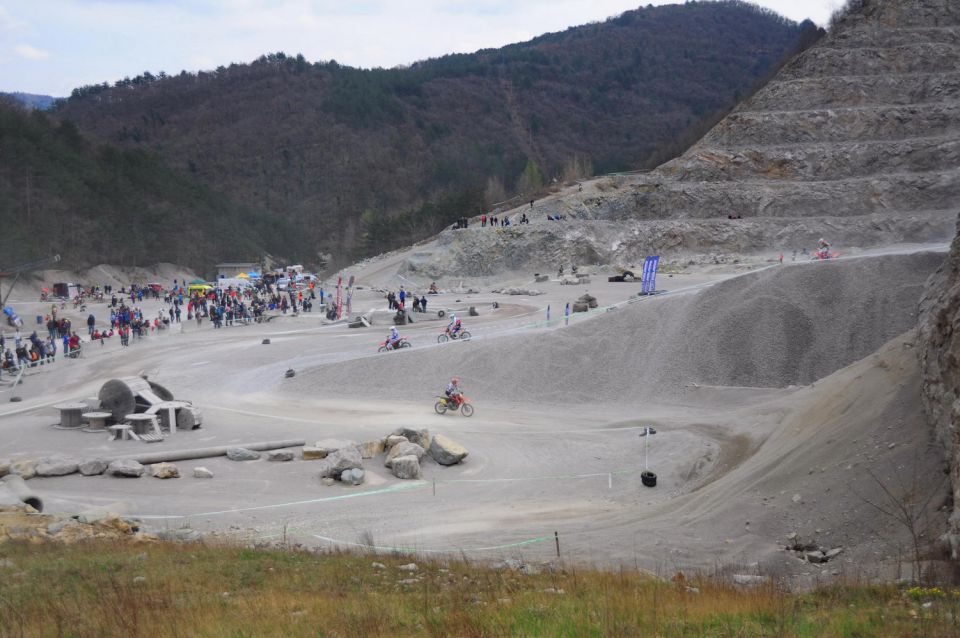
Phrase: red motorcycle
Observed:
(824, 254)
(386, 346)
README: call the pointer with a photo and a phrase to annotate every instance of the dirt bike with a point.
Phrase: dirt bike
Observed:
(386, 346)
(447, 336)
(824, 255)
(446, 403)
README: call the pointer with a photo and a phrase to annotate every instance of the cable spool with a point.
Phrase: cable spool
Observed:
(124, 396)
(441, 314)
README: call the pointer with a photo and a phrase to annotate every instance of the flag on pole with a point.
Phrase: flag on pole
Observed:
(350, 296)
(339, 297)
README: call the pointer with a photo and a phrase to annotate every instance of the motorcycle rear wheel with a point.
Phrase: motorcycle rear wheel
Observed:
(442, 339)
(440, 407)
(466, 409)
(405, 344)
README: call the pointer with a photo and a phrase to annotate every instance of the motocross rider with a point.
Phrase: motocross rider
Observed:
(454, 326)
(823, 248)
(453, 391)
(394, 339)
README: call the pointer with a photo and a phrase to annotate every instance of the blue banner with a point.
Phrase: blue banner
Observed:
(650, 275)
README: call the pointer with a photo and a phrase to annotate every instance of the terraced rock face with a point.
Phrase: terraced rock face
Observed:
(865, 123)
(857, 140)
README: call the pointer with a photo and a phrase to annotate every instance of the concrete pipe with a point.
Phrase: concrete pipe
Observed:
(205, 453)
(18, 486)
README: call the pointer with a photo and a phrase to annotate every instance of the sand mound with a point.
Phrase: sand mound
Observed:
(789, 325)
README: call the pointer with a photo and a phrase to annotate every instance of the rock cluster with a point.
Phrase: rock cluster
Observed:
(811, 552)
(22, 523)
(407, 448)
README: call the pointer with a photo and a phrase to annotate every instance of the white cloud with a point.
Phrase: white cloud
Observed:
(109, 39)
(30, 53)
(8, 22)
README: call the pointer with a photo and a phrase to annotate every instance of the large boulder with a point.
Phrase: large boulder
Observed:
(337, 462)
(164, 471)
(24, 468)
(93, 467)
(57, 466)
(369, 449)
(242, 454)
(404, 449)
(325, 447)
(420, 437)
(332, 445)
(406, 467)
(393, 439)
(445, 451)
(125, 469)
(280, 456)
(202, 473)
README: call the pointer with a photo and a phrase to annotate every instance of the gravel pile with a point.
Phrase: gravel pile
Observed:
(783, 326)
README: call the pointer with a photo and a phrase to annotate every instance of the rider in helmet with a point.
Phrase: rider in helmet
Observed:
(454, 326)
(453, 391)
(823, 248)
(394, 339)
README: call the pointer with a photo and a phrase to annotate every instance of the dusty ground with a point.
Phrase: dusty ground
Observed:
(554, 445)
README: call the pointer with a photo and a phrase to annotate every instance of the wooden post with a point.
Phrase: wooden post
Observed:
(556, 538)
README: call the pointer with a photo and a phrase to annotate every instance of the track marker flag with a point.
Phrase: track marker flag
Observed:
(650, 265)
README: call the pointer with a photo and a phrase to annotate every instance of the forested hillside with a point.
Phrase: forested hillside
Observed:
(364, 160)
(31, 100)
(94, 203)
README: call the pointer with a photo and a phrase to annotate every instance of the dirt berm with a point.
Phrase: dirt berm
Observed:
(786, 325)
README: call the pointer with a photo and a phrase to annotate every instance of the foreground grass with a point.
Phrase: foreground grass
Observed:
(167, 590)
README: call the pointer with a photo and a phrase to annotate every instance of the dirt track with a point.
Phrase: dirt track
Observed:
(554, 445)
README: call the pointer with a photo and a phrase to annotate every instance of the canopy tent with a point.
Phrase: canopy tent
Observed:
(200, 287)
(243, 275)
(197, 282)
(253, 275)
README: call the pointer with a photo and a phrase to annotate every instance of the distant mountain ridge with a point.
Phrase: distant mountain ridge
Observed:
(367, 160)
(32, 101)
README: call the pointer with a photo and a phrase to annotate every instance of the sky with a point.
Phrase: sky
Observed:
(50, 47)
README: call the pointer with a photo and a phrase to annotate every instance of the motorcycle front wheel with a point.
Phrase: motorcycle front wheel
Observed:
(466, 409)
(440, 407)
(382, 349)
(464, 336)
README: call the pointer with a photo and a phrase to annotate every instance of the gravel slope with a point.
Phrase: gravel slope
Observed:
(787, 325)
